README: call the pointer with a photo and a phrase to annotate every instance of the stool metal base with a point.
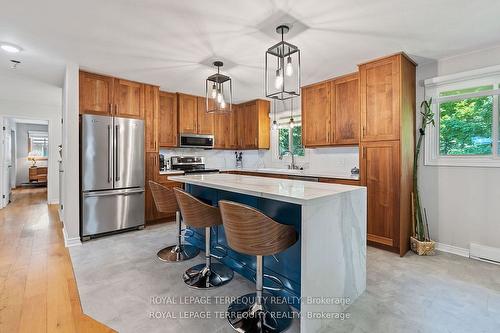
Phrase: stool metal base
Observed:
(272, 316)
(176, 253)
(201, 277)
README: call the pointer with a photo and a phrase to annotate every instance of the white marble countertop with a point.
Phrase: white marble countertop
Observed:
(306, 173)
(287, 190)
(172, 172)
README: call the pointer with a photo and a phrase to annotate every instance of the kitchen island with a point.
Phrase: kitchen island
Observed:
(325, 271)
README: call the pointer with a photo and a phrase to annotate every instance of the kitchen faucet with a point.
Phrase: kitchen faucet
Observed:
(292, 166)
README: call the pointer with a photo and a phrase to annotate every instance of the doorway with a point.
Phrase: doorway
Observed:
(25, 157)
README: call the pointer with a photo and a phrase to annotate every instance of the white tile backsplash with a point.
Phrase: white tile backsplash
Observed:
(322, 160)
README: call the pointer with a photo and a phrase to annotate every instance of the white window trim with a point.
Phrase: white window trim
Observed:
(475, 78)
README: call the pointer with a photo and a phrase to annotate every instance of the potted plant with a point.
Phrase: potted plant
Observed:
(421, 242)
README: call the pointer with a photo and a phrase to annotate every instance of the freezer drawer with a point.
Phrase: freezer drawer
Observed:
(106, 211)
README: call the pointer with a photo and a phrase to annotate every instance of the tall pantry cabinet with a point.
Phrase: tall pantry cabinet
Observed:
(387, 104)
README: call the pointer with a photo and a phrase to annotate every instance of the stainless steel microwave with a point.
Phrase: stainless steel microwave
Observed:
(196, 141)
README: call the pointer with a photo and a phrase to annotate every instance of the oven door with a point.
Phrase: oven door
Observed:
(197, 141)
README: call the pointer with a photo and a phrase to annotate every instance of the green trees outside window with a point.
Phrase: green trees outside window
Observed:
(290, 139)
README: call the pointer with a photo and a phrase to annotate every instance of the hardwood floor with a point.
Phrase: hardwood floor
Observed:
(38, 292)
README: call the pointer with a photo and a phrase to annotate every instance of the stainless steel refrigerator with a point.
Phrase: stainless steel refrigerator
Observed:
(112, 174)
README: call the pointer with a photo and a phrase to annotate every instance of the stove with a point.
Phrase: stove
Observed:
(190, 164)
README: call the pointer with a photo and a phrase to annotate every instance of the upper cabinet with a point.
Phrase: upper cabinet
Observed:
(188, 113)
(105, 95)
(316, 115)
(253, 127)
(205, 119)
(380, 99)
(128, 99)
(151, 96)
(96, 94)
(330, 112)
(167, 120)
(345, 110)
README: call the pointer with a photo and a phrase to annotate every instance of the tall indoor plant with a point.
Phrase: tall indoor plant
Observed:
(421, 242)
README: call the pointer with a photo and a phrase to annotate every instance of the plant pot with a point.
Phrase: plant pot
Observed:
(422, 248)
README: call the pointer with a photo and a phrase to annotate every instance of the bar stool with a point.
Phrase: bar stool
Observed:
(251, 232)
(166, 202)
(198, 214)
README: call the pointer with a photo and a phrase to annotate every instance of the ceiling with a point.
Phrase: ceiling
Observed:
(171, 42)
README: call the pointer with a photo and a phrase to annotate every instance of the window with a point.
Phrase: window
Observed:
(38, 144)
(290, 139)
(467, 119)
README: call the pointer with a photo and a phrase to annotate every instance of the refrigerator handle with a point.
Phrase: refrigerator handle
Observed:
(117, 158)
(109, 154)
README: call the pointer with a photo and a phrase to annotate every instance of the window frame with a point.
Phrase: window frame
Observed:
(434, 87)
(283, 123)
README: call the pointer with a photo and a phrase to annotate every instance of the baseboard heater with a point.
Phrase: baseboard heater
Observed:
(486, 253)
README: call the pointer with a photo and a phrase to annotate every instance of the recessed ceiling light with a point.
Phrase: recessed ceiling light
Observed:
(11, 48)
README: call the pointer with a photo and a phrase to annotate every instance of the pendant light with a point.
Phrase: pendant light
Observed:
(283, 68)
(219, 91)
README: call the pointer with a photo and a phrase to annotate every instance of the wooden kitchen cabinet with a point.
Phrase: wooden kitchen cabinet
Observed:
(151, 98)
(204, 118)
(387, 97)
(253, 125)
(380, 173)
(128, 99)
(345, 115)
(96, 94)
(380, 99)
(188, 113)
(225, 129)
(316, 115)
(104, 95)
(330, 112)
(167, 120)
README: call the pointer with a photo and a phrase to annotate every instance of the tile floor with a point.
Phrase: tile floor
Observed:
(118, 276)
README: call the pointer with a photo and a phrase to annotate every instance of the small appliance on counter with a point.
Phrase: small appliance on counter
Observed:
(239, 159)
(162, 162)
(190, 164)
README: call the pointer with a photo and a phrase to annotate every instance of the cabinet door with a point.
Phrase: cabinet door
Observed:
(316, 115)
(380, 88)
(264, 124)
(250, 126)
(151, 96)
(205, 119)
(221, 130)
(96, 94)
(128, 99)
(188, 114)
(380, 173)
(152, 170)
(345, 110)
(167, 120)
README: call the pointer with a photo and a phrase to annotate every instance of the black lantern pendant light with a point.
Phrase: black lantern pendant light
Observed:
(283, 68)
(219, 91)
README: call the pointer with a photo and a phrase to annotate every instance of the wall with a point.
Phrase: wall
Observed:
(71, 175)
(23, 97)
(22, 165)
(461, 201)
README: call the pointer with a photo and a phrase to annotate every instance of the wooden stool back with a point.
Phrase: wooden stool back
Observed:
(196, 213)
(251, 232)
(164, 198)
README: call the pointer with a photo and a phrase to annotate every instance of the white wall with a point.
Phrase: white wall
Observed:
(461, 202)
(71, 188)
(23, 97)
(23, 165)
